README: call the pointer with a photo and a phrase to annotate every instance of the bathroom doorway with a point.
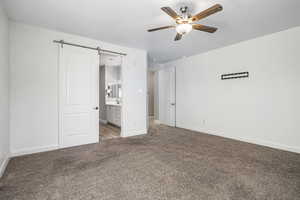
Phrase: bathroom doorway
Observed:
(110, 96)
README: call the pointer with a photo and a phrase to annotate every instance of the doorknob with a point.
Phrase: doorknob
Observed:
(172, 104)
(96, 108)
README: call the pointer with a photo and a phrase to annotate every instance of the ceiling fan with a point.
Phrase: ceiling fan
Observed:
(185, 22)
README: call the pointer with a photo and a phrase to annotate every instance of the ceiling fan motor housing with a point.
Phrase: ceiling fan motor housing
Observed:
(183, 9)
(184, 12)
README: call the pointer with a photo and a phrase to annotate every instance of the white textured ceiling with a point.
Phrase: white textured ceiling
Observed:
(125, 22)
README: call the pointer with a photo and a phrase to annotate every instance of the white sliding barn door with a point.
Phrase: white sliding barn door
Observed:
(167, 99)
(79, 99)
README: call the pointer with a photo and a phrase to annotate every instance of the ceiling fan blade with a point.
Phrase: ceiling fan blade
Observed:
(201, 27)
(160, 28)
(178, 37)
(171, 12)
(207, 12)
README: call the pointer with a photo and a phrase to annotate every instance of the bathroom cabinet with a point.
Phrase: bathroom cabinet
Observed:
(114, 114)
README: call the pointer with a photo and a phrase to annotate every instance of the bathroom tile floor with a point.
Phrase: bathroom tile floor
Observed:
(109, 131)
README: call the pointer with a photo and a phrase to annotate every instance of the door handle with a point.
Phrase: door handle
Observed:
(96, 108)
(172, 104)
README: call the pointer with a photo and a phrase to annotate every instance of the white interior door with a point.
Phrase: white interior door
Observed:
(79, 96)
(172, 98)
(167, 99)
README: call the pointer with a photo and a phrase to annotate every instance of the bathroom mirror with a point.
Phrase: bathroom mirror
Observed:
(114, 91)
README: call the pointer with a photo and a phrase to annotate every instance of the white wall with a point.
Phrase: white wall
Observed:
(4, 91)
(34, 87)
(262, 109)
(112, 74)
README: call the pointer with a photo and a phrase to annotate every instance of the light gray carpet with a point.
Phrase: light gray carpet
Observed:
(168, 163)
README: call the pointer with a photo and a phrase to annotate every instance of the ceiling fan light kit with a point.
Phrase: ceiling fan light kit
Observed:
(184, 28)
(185, 22)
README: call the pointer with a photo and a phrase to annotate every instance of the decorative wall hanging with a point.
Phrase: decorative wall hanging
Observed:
(235, 75)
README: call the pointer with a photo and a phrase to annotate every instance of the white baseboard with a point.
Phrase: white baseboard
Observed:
(268, 144)
(3, 165)
(103, 121)
(134, 133)
(21, 152)
(253, 141)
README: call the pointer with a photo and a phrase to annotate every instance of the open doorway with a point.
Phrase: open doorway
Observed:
(110, 96)
(162, 96)
(152, 94)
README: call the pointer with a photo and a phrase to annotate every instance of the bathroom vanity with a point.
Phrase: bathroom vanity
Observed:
(113, 114)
